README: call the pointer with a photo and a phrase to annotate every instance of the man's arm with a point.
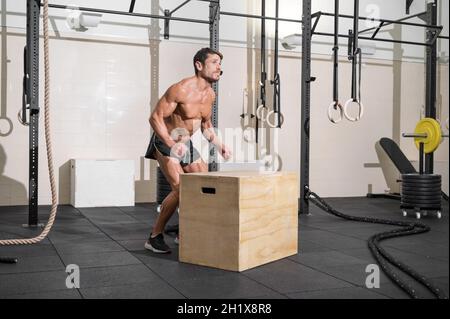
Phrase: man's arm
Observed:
(165, 107)
(211, 136)
(207, 126)
(208, 131)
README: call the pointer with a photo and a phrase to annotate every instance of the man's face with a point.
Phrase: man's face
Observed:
(211, 69)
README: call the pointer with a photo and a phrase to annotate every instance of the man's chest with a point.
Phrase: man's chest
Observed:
(192, 110)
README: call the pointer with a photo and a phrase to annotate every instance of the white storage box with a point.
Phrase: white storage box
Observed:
(101, 183)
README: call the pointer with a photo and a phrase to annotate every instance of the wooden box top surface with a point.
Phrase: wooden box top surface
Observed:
(241, 174)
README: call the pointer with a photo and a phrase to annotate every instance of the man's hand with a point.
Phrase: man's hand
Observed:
(225, 152)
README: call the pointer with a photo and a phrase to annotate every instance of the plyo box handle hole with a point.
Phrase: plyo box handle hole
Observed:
(208, 190)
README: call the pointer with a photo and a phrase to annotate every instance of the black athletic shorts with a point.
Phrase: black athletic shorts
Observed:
(156, 143)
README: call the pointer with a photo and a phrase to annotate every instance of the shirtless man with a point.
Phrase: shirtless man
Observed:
(186, 106)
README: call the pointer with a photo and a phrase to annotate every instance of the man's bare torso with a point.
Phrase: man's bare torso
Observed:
(195, 104)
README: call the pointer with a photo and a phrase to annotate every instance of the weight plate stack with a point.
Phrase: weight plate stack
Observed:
(421, 192)
(162, 186)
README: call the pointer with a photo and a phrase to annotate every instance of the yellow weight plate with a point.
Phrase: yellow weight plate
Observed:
(432, 129)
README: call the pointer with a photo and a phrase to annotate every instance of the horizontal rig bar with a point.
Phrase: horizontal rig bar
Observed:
(387, 21)
(257, 17)
(373, 39)
(142, 15)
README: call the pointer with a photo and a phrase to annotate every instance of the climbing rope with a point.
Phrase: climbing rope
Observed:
(48, 142)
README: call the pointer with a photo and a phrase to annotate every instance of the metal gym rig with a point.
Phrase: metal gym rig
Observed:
(31, 73)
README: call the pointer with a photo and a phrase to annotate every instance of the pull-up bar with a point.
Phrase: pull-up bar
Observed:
(187, 1)
(142, 15)
(383, 22)
(372, 39)
(252, 16)
(134, 1)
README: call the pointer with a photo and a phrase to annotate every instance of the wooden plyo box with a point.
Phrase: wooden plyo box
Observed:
(238, 220)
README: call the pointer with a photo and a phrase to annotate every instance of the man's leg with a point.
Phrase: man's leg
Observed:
(196, 167)
(171, 170)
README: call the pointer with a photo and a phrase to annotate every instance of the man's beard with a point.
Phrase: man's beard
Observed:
(211, 79)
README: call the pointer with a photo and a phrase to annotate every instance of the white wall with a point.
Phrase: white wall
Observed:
(104, 85)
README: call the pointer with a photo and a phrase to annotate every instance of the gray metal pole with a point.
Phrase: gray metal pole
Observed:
(305, 107)
(214, 17)
(431, 77)
(32, 97)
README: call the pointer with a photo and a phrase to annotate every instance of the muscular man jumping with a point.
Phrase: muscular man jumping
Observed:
(186, 106)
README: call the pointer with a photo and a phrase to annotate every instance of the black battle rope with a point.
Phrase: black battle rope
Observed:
(408, 228)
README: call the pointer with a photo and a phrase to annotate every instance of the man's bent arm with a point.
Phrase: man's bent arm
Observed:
(165, 107)
(209, 133)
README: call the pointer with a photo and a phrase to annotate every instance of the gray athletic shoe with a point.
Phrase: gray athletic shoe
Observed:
(157, 244)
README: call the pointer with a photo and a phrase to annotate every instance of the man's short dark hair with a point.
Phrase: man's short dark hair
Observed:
(202, 55)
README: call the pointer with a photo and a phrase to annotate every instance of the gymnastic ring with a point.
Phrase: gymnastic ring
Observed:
(360, 113)
(273, 125)
(260, 116)
(10, 126)
(335, 105)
